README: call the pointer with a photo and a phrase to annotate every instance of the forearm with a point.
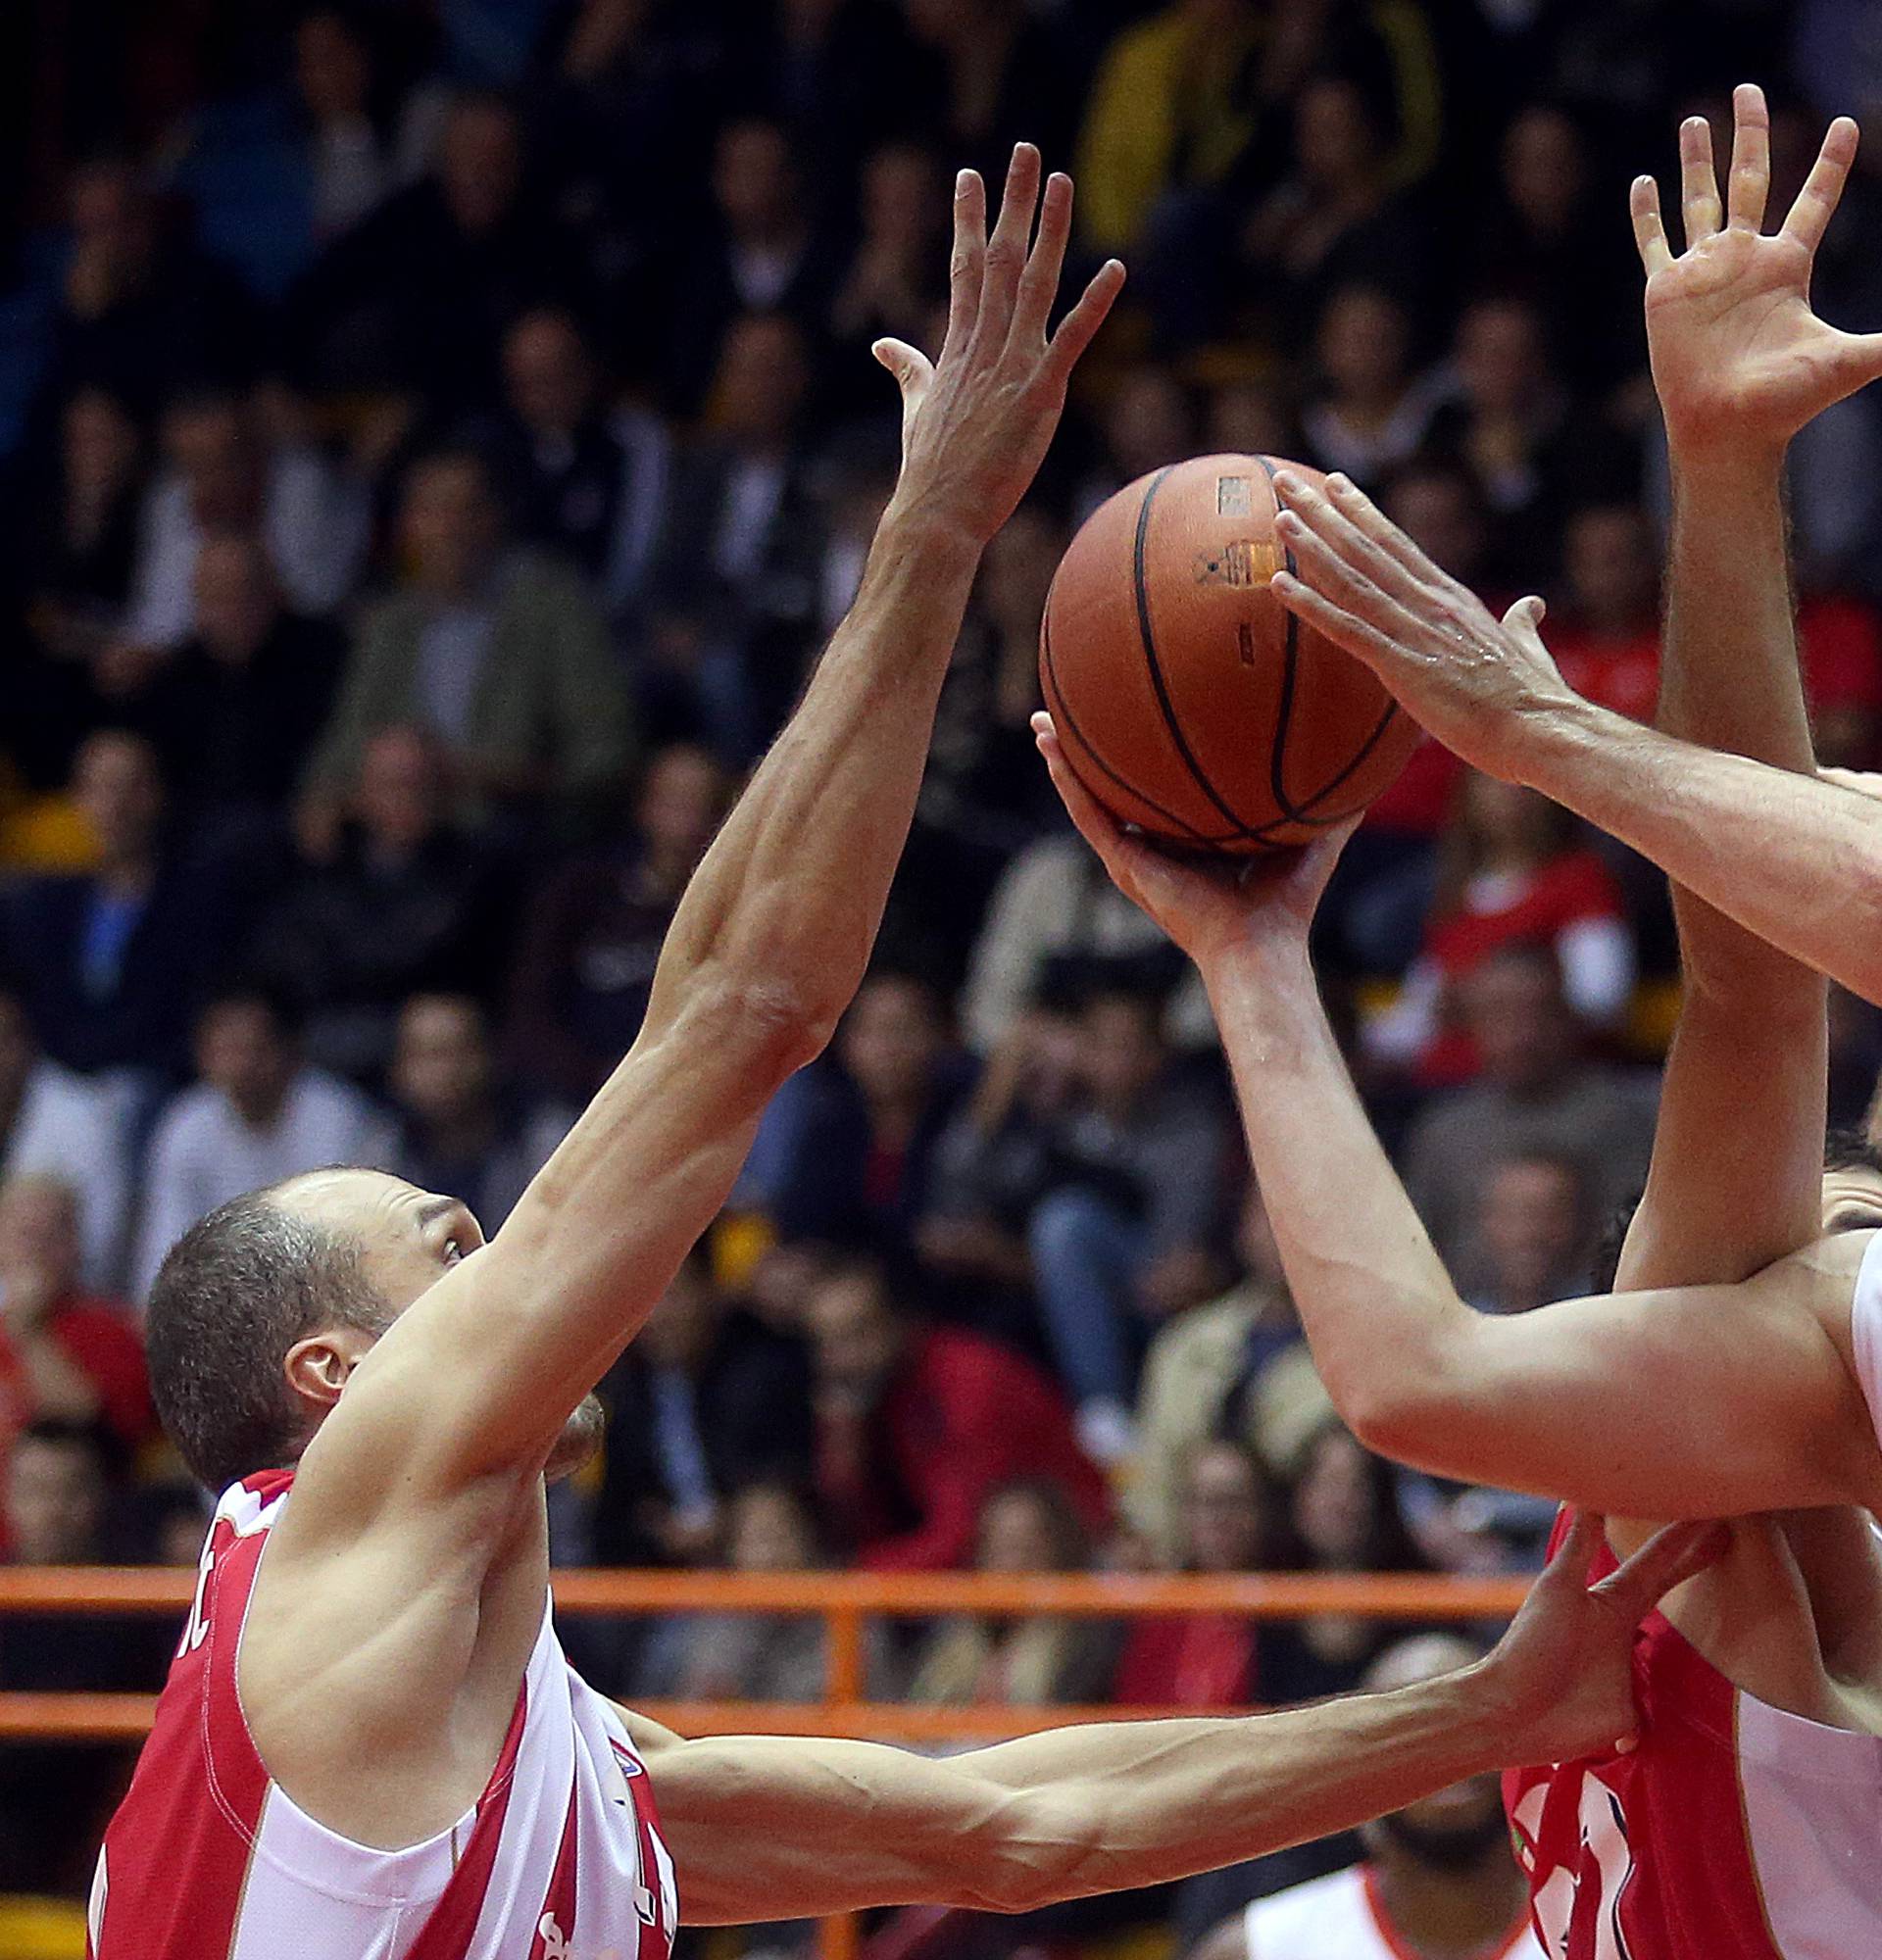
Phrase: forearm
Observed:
(790, 895)
(1374, 1298)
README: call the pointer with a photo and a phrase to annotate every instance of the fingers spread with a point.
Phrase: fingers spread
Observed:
(1077, 330)
(1007, 248)
(1749, 184)
(1650, 229)
(1698, 181)
(968, 266)
(1810, 217)
(1366, 516)
(1357, 636)
(1039, 283)
(1576, 1551)
(1667, 1559)
(1341, 560)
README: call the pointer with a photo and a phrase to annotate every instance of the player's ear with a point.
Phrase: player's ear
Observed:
(319, 1367)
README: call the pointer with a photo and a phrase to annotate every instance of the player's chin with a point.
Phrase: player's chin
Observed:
(578, 1442)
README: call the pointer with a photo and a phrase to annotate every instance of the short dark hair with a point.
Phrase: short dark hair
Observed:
(233, 1294)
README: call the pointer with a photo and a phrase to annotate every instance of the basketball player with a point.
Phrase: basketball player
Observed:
(1437, 1882)
(369, 1743)
(1741, 1371)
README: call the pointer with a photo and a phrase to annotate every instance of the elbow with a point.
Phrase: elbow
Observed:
(1400, 1405)
(773, 1025)
(1044, 1848)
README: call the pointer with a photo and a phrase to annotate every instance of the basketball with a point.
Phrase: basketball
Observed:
(1188, 700)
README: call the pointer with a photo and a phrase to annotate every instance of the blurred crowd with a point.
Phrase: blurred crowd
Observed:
(439, 437)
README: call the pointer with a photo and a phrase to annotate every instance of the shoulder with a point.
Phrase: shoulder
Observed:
(193, 1116)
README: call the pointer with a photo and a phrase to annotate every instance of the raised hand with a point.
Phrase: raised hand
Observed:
(1207, 908)
(1738, 356)
(976, 422)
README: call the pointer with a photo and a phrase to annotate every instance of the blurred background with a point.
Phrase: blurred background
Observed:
(437, 437)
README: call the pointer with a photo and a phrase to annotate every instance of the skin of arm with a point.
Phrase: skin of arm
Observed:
(478, 1377)
(767, 1826)
(1615, 1403)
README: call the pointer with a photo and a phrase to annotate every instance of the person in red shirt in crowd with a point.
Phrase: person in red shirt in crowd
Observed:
(917, 1423)
(1513, 868)
(1606, 637)
(65, 1355)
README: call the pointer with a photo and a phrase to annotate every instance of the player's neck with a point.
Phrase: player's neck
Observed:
(1452, 1915)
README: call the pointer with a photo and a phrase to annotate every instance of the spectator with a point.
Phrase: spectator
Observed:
(1030, 1661)
(113, 960)
(1126, 1237)
(356, 153)
(915, 1424)
(1002, 77)
(409, 902)
(1148, 422)
(1607, 641)
(255, 1116)
(1511, 868)
(864, 1123)
(500, 654)
(222, 473)
(1231, 1367)
(1226, 1522)
(894, 280)
(1839, 639)
(706, 1401)
(581, 479)
(594, 930)
(55, 1124)
(1533, 1233)
(1371, 411)
(1536, 1093)
(455, 1127)
(234, 713)
(66, 1354)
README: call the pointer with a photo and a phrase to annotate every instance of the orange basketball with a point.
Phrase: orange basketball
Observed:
(1187, 698)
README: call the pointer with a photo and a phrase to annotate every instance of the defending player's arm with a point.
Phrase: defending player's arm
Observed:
(1735, 1182)
(769, 1827)
(771, 938)
(1623, 1403)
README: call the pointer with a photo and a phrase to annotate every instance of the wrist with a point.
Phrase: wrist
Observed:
(920, 521)
(1724, 462)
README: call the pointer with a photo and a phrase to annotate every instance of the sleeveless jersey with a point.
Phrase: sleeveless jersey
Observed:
(1343, 1917)
(208, 1858)
(1735, 1830)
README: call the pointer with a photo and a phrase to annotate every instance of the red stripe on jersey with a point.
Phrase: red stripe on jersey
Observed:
(557, 1920)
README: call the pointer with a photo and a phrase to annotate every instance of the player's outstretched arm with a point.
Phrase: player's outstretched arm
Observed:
(1696, 1401)
(770, 940)
(764, 1827)
(1737, 1153)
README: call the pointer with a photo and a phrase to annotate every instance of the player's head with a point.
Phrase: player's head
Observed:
(1852, 1183)
(264, 1308)
(1457, 1829)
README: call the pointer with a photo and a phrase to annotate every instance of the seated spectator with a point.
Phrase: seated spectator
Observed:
(706, 1401)
(1344, 1511)
(222, 473)
(736, 579)
(748, 1656)
(234, 710)
(455, 1127)
(410, 901)
(1839, 640)
(55, 1124)
(1605, 636)
(1536, 1092)
(1512, 867)
(1027, 1661)
(1125, 1238)
(1002, 75)
(1371, 411)
(257, 1115)
(1226, 1521)
(895, 278)
(113, 960)
(1147, 422)
(66, 1354)
(500, 654)
(594, 929)
(863, 1122)
(1532, 1241)
(1223, 1369)
(580, 478)
(54, 1796)
(915, 1424)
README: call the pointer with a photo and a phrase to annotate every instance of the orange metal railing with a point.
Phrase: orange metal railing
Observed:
(845, 1602)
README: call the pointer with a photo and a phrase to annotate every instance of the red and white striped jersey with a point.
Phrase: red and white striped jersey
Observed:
(1342, 1916)
(559, 1859)
(1735, 1830)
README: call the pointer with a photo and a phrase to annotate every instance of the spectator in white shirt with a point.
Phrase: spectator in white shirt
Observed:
(255, 1116)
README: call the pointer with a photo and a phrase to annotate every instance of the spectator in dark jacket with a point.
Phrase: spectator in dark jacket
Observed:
(916, 1424)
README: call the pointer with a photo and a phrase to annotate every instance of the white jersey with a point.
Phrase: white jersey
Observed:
(1342, 1918)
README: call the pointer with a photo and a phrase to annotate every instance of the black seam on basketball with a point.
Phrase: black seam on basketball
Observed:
(1364, 749)
(1080, 736)
(1151, 661)
(1289, 669)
